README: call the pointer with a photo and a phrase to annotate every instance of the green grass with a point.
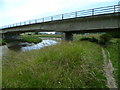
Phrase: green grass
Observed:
(65, 65)
(30, 38)
(50, 36)
(79, 37)
(113, 48)
(2, 42)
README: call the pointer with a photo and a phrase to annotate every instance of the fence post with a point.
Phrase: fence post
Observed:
(29, 22)
(51, 18)
(35, 21)
(24, 23)
(92, 11)
(114, 8)
(62, 17)
(42, 19)
(75, 14)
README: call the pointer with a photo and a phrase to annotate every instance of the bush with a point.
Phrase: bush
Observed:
(85, 38)
(2, 42)
(115, 34)
(105, 38)
(90, 39)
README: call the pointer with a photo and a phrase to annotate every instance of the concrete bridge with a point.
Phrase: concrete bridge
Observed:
(103, 19)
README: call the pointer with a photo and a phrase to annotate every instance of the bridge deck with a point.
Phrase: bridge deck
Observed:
(77, 14)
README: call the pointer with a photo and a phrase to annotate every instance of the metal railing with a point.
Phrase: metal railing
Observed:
(82, 13)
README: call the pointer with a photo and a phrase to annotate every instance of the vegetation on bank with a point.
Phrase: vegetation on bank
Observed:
(30, 39)
(2, 41)
(65, 65)
(114, 49)
(44, 35)
(49, 36)
(111, 42)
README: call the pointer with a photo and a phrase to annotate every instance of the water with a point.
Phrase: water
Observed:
(4, 50)
(40, 45)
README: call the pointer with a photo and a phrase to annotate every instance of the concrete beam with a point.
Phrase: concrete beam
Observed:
(80, 24)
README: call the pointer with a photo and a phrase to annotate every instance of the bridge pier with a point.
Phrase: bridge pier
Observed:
(11, 39)
(68, 36)
(11, 36)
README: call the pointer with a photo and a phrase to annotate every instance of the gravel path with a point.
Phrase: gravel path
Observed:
(108, 68)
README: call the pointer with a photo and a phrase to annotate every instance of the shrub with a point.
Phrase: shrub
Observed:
(105, 38)
(115, 34)
(93, 39)
(85, 38)
(2, 42)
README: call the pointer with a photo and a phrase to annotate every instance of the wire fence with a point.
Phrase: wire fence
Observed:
(82, 13)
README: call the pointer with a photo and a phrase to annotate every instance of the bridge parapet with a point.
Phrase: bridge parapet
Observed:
(82, 13)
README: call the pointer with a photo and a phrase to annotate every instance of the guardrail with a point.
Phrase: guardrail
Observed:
(82, 13)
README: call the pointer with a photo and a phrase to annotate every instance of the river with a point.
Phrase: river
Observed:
(27, 46)
(39, 45)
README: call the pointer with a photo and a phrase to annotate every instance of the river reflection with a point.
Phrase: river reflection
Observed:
(39, 45)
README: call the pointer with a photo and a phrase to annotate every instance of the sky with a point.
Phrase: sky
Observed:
(13, 11)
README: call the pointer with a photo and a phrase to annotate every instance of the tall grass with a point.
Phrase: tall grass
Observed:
(65, 65)
(2, 41)
(113, 48)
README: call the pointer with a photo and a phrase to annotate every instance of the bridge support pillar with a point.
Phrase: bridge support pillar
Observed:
(11, 38)
(68, 36)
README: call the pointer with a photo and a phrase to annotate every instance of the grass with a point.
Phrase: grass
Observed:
(36, 38)
(30, 38)
(113, 48)
(79, 37)
(65, 65)
(2, 42)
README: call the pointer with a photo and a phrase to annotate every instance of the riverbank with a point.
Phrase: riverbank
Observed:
(30, 38)
(112, 48)
(66, 65)
(114, 51)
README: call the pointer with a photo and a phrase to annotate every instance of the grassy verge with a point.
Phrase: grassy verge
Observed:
(30, 38)
(113, 48)
(66, 65)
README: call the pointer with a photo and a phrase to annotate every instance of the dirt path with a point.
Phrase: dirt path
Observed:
(108, 68)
